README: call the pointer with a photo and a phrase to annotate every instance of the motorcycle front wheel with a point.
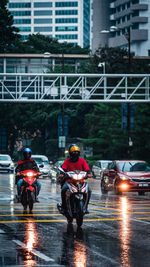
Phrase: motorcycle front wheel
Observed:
(79, 216)
(24, 200)
(30, 200)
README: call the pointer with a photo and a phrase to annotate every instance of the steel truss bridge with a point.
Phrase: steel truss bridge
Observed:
(74, 87)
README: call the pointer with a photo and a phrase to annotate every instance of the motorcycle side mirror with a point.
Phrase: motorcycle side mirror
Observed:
(61, 170)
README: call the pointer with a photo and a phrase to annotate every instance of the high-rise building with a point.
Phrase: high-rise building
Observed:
(100, 21)
(126, 23)
(68, 21)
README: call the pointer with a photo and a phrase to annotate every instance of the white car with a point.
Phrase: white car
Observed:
(6, 163)
(98, 167)
(43, 164)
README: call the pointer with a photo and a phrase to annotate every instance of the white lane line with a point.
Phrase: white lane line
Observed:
(140, 221)
(107, 258)
(1, 231)
(34, 251)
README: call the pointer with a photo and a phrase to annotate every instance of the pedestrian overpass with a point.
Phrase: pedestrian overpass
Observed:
(71, 88)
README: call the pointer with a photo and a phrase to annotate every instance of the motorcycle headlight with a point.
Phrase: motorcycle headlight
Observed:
(75, 177)
(29, 174)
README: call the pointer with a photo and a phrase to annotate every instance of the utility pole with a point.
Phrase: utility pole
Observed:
(128, 37)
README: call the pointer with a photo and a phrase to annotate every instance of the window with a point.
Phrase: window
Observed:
(135, 26)
(135, 13)
(25, 29)
(44, 4)
(43, 29)
(42, 12)
(68, 20)
(135, 2)
(66, 12)
(63, 28)
(24, 37)
(22, 21)
(19, 5)
(43, 21)
(66, 4)
(21, 13)
(67, 36)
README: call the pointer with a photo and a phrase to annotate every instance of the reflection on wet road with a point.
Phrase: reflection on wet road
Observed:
(114, 233)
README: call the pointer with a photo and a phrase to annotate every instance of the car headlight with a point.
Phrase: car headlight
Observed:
(124, 178)
(12, 164)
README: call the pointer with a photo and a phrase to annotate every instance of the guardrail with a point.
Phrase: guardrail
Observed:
(16, 87)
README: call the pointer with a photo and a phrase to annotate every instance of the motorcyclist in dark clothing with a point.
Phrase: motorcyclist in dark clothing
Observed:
(26, 164)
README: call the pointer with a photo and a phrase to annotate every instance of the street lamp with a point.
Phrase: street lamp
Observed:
(127, 35)
(102, 64)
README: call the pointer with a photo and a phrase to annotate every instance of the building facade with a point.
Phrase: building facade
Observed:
(126, 23)
(68, 21)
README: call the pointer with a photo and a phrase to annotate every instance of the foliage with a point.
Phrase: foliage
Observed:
(38, 43)
(9, 38)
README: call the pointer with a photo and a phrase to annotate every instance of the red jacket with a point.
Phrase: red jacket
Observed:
(80, 165)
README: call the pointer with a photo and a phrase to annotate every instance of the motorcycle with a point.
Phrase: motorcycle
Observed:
(76, 196)
(28, 189)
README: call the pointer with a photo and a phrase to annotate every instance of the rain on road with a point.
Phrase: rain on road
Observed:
(115, 232)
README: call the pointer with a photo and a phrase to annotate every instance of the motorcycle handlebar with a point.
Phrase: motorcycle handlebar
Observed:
(24, 174)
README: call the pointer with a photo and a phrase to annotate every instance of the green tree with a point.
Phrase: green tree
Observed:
(8, 33)
(38, 43)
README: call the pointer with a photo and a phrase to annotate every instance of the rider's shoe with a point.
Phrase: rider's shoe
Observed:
(18, 199)
(60, 208)
(86, 211)
(37, 200)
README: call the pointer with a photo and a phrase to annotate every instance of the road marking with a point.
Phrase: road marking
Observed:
(21, 210)
(33, 251)
(105, 209)
(145, 218)
(140, 221)
(128, 212)
(64, 220)
(29, 214)
(1, 231)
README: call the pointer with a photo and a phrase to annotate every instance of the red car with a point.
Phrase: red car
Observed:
(126, 176)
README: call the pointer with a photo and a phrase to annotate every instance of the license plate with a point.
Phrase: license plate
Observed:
(143, 185)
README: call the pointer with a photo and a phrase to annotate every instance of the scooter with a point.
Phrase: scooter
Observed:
(76, 196)
(28, 189)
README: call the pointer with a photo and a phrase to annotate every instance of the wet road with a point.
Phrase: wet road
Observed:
(116, 232)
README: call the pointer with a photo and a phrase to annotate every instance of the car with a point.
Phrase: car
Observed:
(98, 167)
(6, 163)
(126, 176)
(43, 164)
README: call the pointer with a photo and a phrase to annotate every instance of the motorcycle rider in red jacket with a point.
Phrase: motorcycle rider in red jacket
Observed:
(74, 162)
(26, 164)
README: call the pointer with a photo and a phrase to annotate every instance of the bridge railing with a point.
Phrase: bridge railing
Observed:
(21, 87)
